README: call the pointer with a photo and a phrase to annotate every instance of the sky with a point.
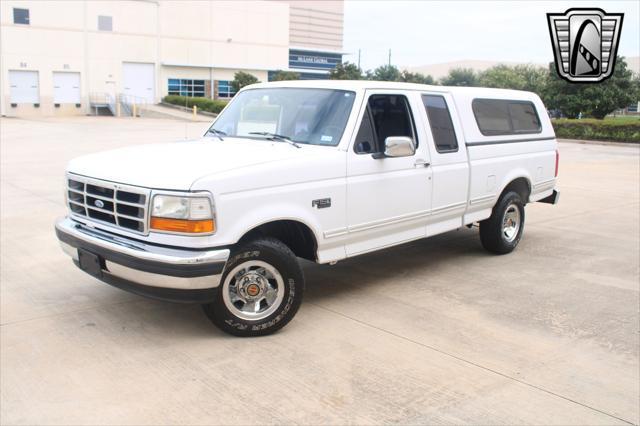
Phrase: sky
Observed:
(431, 32)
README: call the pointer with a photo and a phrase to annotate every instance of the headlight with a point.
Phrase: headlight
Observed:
(191, 215)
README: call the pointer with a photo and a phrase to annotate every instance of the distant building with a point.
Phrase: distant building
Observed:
(58, 57)
(316, 30)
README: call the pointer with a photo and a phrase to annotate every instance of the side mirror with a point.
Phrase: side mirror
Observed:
(397, 146)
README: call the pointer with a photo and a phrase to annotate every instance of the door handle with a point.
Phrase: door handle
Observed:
(421, 163)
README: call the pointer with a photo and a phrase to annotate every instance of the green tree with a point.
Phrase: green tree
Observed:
(415, 77)
(346, 71)
(241, 79)
(592, 99)
(501, 76)
(386, 73)
(535, 78)
(285, 75)
(520, 77)
(460, 77)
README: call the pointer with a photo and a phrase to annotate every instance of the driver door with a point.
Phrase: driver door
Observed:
(387, 197)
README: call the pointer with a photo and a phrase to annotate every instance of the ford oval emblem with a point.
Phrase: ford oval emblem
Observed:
(98, 203)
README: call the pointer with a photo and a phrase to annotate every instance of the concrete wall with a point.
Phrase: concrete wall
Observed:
(186, 39)
(316, 24)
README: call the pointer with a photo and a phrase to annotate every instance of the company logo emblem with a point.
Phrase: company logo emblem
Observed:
(98, 203)
(585, 43)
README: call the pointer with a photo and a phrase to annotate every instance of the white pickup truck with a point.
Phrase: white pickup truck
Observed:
(319, 170)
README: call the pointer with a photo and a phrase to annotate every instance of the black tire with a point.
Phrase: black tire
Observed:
(280, 257)
(491, 232)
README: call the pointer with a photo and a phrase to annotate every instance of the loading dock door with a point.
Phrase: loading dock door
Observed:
(66, 87)
(138, 80)
(24, 87)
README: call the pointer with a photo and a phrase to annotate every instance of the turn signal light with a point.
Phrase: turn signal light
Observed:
(557, 161)
(183, 225)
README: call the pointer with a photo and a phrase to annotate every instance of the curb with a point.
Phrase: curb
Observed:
(189, 110)
(593, 142)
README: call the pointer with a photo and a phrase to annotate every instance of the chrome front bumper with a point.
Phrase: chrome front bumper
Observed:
(155, 271)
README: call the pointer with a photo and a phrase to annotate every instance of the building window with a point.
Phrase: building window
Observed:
(225, 90)
(105, 23)
(184, 87)
(20, 16)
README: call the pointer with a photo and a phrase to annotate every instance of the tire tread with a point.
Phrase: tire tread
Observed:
(491, 228)
(219, 314)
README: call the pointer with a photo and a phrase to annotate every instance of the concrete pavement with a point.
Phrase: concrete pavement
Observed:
(435, 331)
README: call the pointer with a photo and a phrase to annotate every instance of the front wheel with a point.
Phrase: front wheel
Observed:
(501, 232)
(261, 289)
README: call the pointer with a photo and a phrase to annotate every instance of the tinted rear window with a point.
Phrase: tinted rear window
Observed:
(505, 117)
(442, 129)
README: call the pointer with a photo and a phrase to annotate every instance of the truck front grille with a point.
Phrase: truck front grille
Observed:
(110, 203)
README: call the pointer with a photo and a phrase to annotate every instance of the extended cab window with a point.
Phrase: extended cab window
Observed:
(440, 122)
(505, 117)
(386, 115)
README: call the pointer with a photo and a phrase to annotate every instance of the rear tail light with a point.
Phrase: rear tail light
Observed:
(557, 162)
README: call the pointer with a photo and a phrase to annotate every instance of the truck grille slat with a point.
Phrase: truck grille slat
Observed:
(77, 197)
(105, 217)
(98, 190)
(109, 203)
(130, 197)
(101, 197)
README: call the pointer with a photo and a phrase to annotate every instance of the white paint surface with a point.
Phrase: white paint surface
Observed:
(66, 87)
(138, 80)
(24, 87)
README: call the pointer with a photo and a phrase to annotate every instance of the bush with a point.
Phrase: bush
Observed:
(203, 104)
(604, 130)
(241, 79)
(285, 76)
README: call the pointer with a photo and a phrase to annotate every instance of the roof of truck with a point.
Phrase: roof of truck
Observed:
(392, 85)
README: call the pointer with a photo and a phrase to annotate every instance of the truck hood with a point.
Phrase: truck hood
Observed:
(178, 165)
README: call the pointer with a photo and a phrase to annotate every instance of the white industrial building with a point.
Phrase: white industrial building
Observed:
(59, 57)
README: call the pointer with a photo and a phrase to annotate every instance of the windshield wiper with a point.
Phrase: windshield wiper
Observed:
(276, 137)
(218, 133)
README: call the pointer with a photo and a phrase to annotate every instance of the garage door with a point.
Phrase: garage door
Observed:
(138, 80)
(24, 87)
(66, 87)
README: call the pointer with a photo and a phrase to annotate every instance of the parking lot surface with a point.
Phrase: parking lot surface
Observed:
(435, 331)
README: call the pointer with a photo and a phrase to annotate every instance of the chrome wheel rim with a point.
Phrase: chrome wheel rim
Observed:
(253, 290)
(511, 223)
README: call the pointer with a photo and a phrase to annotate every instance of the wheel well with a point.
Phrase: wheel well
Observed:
(521, 186)
(296, 235)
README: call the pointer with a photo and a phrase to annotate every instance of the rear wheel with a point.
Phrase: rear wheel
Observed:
(502, 232)
(261, 289)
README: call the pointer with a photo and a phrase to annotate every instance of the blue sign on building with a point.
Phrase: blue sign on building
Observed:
(313, 60)
(317, 63)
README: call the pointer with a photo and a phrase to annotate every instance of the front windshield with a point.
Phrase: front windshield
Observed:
(303, 115)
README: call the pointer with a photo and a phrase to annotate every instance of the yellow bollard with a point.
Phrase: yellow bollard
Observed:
(195, 111)
(117, 109)
(135, 112)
